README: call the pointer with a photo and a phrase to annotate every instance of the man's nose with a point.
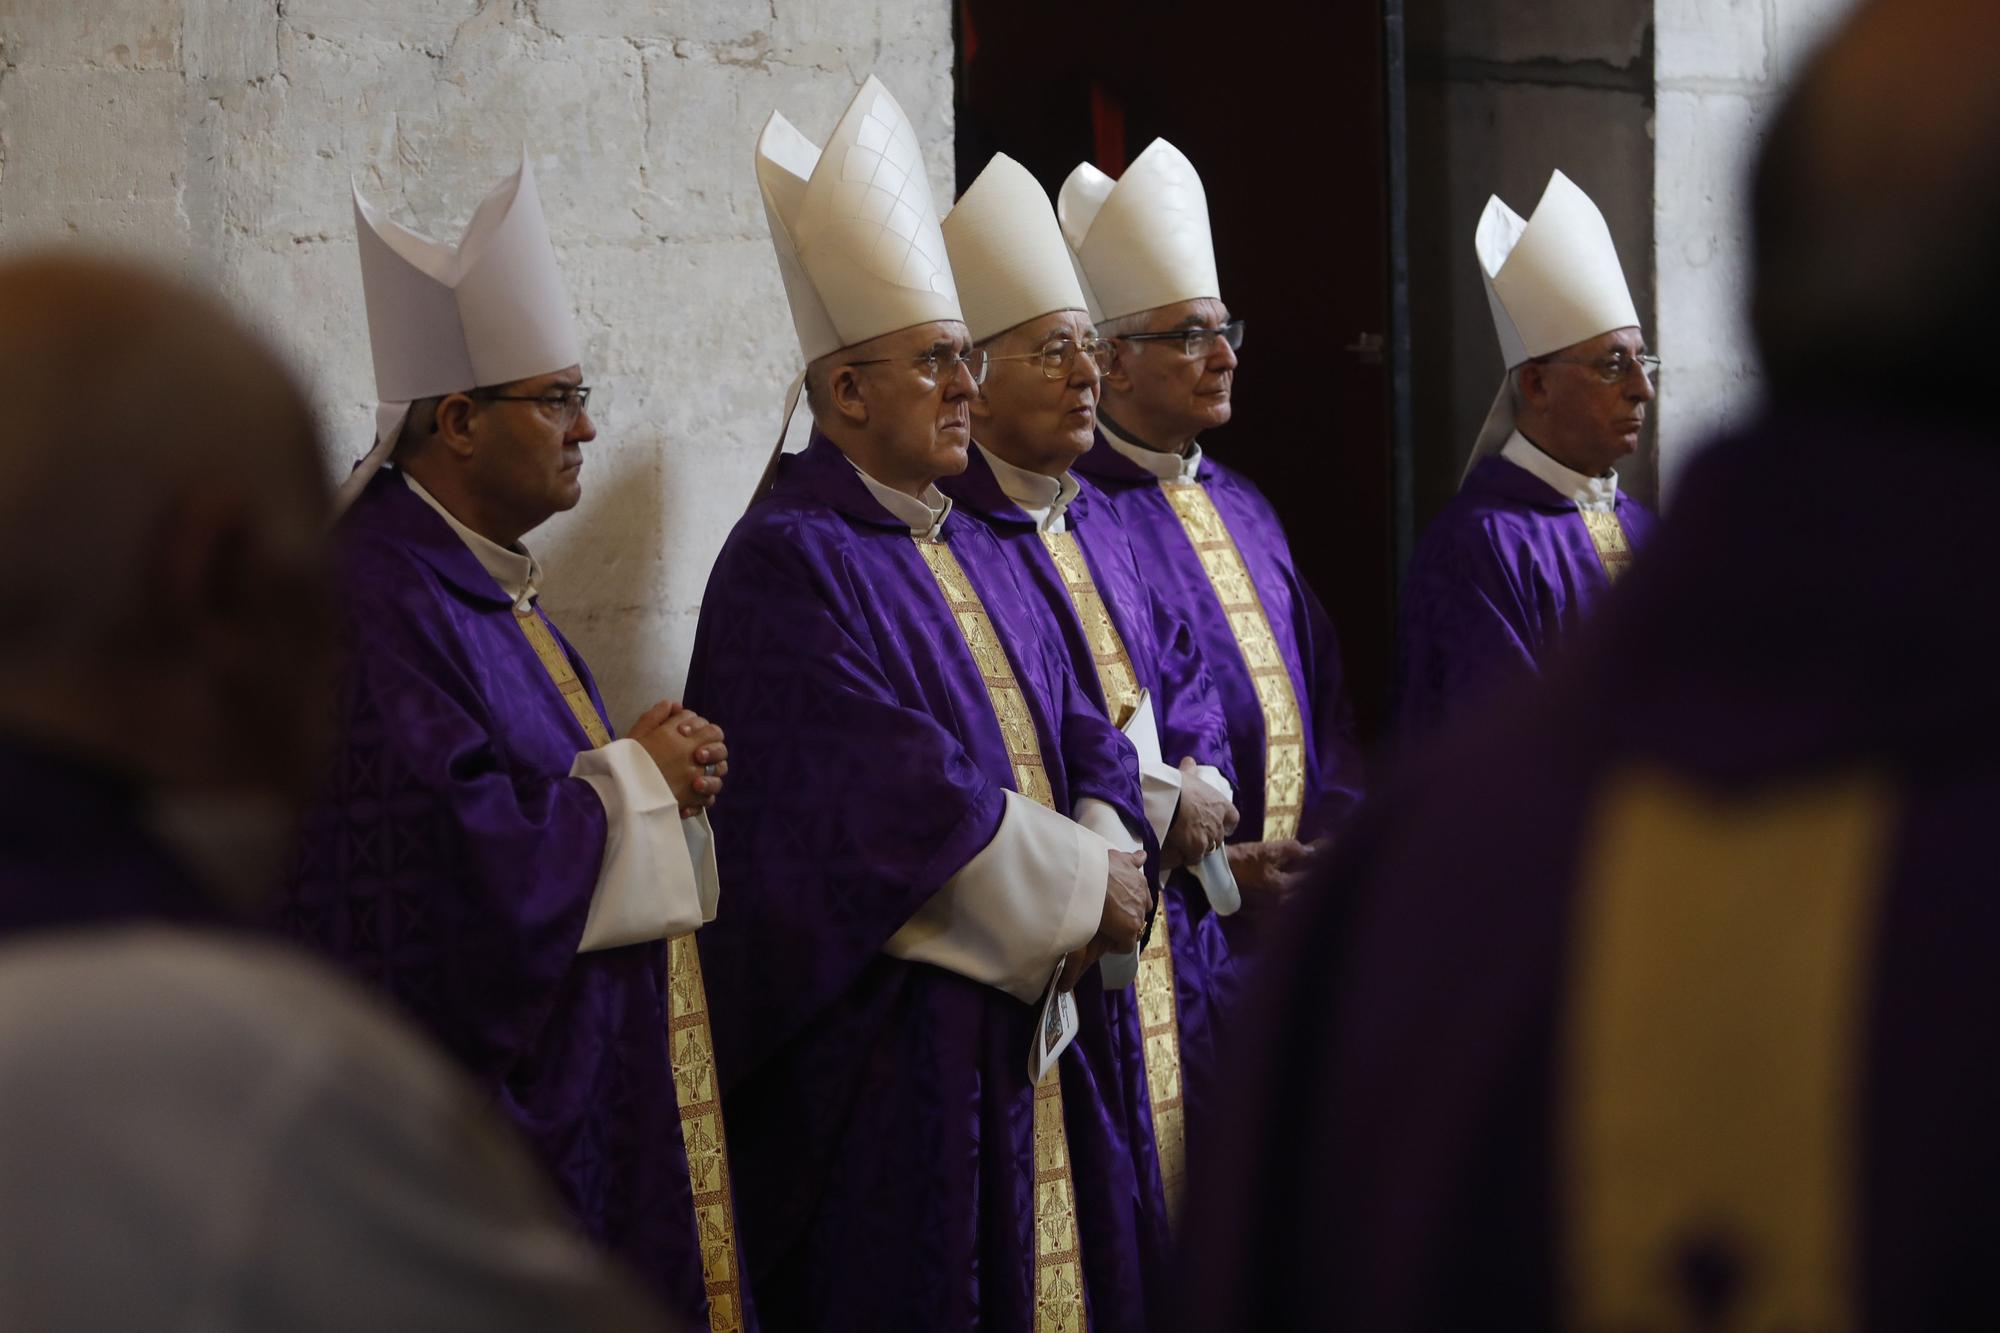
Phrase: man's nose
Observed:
(585, 430)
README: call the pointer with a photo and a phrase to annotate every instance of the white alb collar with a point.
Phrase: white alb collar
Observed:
(925, 516)
(1043, 499)
(517, 572)
(1591, 494)
(1167, 467)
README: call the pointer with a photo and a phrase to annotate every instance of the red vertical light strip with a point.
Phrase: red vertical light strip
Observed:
(968, 35)
(1107, 127)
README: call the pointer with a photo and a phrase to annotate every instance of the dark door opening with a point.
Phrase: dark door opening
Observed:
(1292, 114)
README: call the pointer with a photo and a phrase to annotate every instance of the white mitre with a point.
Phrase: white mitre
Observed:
(1142, 241)
(1552, 281)
(449, 318)
(1007, 251)
(854, 226)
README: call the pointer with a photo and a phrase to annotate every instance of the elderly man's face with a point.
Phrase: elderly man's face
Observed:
(918, 413)
(527, 458)
(1034, 420)
(1585, 405)
(1175, 395)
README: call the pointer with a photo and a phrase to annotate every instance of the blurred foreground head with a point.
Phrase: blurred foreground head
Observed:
(161, 517)
(1876, 202)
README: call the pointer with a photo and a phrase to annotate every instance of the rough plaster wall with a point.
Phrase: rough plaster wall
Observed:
(1721, 67)
(1500, 94)
(218, 136)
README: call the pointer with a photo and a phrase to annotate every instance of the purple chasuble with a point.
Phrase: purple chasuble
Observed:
(879, 1110)
(1304, 634)
(75, 852)
(1186, 708)
(1504, 572)
(451, 861)
(1801, 616)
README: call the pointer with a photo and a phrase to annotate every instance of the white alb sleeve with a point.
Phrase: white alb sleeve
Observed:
(1027, 898)
(658, 879)
(1159, 781)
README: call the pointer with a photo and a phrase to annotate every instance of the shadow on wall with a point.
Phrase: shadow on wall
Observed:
(1499, 96)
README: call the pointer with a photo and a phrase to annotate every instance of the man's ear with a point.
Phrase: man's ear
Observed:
(454, 423)
(1119, 377)
(1532, 384)
(845, 391)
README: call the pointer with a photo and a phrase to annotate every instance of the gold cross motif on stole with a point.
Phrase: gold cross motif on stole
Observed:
(1250, 626)
(1058, 1248)
(1159, 1018)
(689, 1045)
(1608, 537)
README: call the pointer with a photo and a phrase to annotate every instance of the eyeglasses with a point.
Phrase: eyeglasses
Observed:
(1059, 357)
(1611, 369)
(937, 367)
(568, 402)
(1195, 343)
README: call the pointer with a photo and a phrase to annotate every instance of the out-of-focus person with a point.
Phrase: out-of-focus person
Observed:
(199, 1129)
(1664, 993)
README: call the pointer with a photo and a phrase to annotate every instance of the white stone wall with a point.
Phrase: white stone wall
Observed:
(219, 137)
(1721, 66)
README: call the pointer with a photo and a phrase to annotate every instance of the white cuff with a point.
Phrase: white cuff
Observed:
(649, 886)
(1030, 896)
(1103, 819)
(1212, 775)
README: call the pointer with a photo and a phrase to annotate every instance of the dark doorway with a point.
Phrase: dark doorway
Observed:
(1292, 113)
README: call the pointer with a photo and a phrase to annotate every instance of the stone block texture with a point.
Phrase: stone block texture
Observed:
(1722, 66)
(220, 137)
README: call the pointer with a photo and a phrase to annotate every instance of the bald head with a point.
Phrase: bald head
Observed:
(1876, 201)
(161, 511)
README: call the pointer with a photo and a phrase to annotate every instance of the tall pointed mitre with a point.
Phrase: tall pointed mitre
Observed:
(854, 226)
(446, 318)
(1142, 241)
(1552, 281)
(1007, 251)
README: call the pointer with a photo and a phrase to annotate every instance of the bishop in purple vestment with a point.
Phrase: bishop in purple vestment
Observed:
(1679, 1019)
(923, 832)
(1134, 655)
(484, 850)
(1539, 529)
(1208, 541)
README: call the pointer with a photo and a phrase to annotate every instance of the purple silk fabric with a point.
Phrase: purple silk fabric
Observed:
(75, 853)
(1304, 635)
(451, 861)
(1185, 706)
(1504, 572)
(879, 1110)
(1797, 614)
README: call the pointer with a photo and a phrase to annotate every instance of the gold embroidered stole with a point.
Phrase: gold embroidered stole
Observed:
(689, 1045)
(1058, 1249)
(1284, 730)
(1613, 552)
(1713, 1089)
(1158, 1012)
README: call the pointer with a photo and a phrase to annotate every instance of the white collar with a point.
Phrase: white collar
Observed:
(517, 572)
(1591, 494)
(925, 515)
(1167, 467)
(1044, 499)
